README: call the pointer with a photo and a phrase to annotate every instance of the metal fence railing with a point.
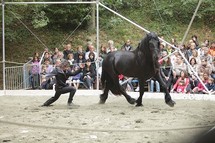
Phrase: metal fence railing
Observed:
(17, 77)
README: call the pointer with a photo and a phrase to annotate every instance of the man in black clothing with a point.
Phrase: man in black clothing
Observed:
(61, 74)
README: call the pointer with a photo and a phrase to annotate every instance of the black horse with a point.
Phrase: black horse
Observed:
(141, 63)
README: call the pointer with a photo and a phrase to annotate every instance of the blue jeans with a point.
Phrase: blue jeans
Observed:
(157, 85)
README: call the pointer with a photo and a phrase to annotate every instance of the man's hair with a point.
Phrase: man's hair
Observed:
(64, 63)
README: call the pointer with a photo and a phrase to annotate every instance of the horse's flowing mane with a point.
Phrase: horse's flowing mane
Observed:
(143, 50)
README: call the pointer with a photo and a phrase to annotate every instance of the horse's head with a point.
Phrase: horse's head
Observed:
(153, 43)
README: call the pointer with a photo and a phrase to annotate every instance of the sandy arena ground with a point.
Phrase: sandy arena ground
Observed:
(23, 121)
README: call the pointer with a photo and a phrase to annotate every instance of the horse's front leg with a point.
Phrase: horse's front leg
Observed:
(141, 92)
(163, 85)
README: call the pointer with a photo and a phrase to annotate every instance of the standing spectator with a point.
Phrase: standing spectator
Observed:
(55, 55)
(35, 75)
(127, 46)
(102, 54)
(182, 84)
(89, 75)
(67, 51)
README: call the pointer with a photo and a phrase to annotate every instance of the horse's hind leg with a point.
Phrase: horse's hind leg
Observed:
(104, 96)
(128, 97)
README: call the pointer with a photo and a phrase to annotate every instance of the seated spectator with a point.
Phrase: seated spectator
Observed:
(71, 60)
(210, 85)
(80, 59)
(89, 43)
(212, 49)
(79, 50)
(195, 40)
(127, 46)
(192, 48)
(182, 84)
(60, 56)
(89, 75)
(201, 50)
(67, 51)
(77, 78)
(207, 56)
(91, 50)
(193, 82)
(213, 70)
(153, 82)
(194, 65)
(179, 66)
(49, 66)
(196, 56)
(166, 70)
(162, 46)
(206, 43)
(47, 55)
(111, 47)
(200, 87)
(204, 67)
(91, 58)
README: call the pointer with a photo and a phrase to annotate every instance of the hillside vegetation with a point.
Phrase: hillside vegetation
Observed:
(55, 25)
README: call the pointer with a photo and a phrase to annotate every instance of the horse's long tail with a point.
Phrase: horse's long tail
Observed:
(110, 83)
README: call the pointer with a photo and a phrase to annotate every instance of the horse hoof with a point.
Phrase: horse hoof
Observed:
(132, 101)
(139, 105)
(101, 102)
(171, 103)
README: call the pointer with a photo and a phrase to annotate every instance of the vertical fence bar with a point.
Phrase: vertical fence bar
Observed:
(97, 42)
(3, 45)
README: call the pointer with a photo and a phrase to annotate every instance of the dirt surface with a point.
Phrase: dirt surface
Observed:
(22, 120)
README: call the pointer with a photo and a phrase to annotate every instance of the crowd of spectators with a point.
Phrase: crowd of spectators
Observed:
(180, 76)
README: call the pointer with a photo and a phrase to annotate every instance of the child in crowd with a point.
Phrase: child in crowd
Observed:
(210, 85)
(182, 84)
